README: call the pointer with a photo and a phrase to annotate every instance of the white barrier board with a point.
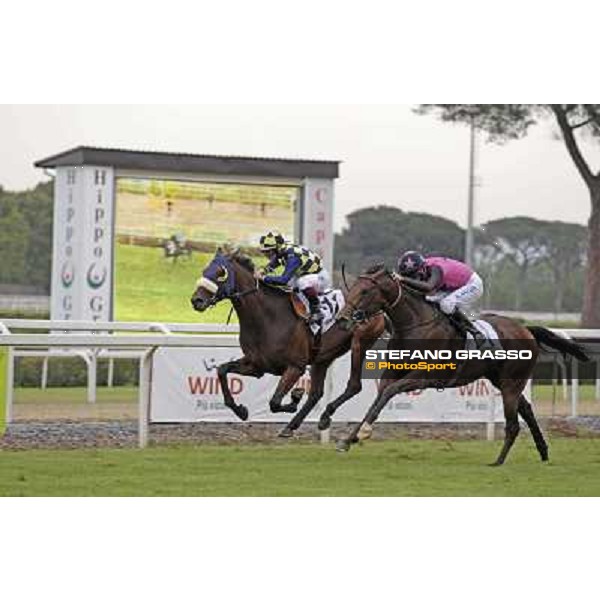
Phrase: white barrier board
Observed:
(185, 388)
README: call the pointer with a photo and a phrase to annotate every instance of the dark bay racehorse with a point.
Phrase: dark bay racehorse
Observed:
(414, 318)
(275, 340)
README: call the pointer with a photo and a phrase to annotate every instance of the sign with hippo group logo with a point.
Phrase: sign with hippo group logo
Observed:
(186, 388)
(83, 244)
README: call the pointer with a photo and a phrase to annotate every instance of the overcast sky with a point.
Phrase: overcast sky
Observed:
(390, 155)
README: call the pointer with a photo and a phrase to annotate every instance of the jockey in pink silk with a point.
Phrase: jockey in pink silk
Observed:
(448, 282)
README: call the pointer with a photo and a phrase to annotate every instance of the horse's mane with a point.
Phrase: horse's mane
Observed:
(375, 269)
(241, 259)
(381, 268)
(412, 291)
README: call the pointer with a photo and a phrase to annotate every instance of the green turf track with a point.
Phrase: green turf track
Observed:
(151, 288)
(398, 468)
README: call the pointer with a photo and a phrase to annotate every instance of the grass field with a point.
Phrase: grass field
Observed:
(74, 395)
(150, 288)
(398, 468)
(213, 221)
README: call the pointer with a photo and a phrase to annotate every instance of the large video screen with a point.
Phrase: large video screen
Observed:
(166, 232)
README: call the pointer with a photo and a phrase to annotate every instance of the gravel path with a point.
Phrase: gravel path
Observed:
(588, 423)
(123, 434)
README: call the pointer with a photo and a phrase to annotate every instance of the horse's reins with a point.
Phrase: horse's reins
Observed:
(437, 315)
(398, 280)
(237, 296)
(374, 281)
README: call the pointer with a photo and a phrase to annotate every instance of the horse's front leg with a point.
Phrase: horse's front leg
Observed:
(243, 366)
(353, 387)
(388, 388)
(286, 383)
(317, 387)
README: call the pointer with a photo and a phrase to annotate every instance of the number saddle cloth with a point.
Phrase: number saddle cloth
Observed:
(331, 303)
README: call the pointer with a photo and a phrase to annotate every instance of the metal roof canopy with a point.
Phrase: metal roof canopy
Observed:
(170, 162)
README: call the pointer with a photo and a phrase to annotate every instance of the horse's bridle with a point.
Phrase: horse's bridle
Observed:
(358, 316)
(224, 289)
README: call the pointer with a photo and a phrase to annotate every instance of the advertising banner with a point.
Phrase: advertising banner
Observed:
(83, 242)
(98, 248)
(318, 218)
(185, 388)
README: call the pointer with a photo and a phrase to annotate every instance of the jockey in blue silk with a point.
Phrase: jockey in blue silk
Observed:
(302, 270)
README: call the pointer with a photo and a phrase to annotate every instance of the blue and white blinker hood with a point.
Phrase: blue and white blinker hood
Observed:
(218, 278)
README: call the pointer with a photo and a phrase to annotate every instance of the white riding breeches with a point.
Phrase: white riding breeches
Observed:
(461, 298)
(320, 281)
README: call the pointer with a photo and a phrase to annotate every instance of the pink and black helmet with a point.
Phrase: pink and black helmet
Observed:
(411, 263)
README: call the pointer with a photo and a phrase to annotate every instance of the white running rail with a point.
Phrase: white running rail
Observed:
(90, 339)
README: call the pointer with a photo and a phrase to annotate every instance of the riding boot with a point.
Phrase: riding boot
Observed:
(466, 326)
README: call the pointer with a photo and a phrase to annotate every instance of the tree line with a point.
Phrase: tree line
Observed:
(526, 263)
(574, 123)
(26, 236)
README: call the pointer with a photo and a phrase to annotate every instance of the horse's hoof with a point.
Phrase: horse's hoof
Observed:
(343, 446)
(324, 423)
(365, 432)
(285, 433)
(495, 464)
(242, 413)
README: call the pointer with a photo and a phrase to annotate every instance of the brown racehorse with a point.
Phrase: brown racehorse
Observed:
(275, 340)
(414, 318)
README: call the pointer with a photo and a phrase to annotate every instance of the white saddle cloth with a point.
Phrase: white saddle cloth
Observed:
(490, 334)
(332, 302)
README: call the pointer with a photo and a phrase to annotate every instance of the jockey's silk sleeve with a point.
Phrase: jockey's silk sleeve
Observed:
(272, 265)
(292, 263)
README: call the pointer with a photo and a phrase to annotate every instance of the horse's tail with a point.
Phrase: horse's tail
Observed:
(545, 336)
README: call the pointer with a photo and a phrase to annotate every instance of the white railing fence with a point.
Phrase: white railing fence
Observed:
(90, 356)
(91, 341)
